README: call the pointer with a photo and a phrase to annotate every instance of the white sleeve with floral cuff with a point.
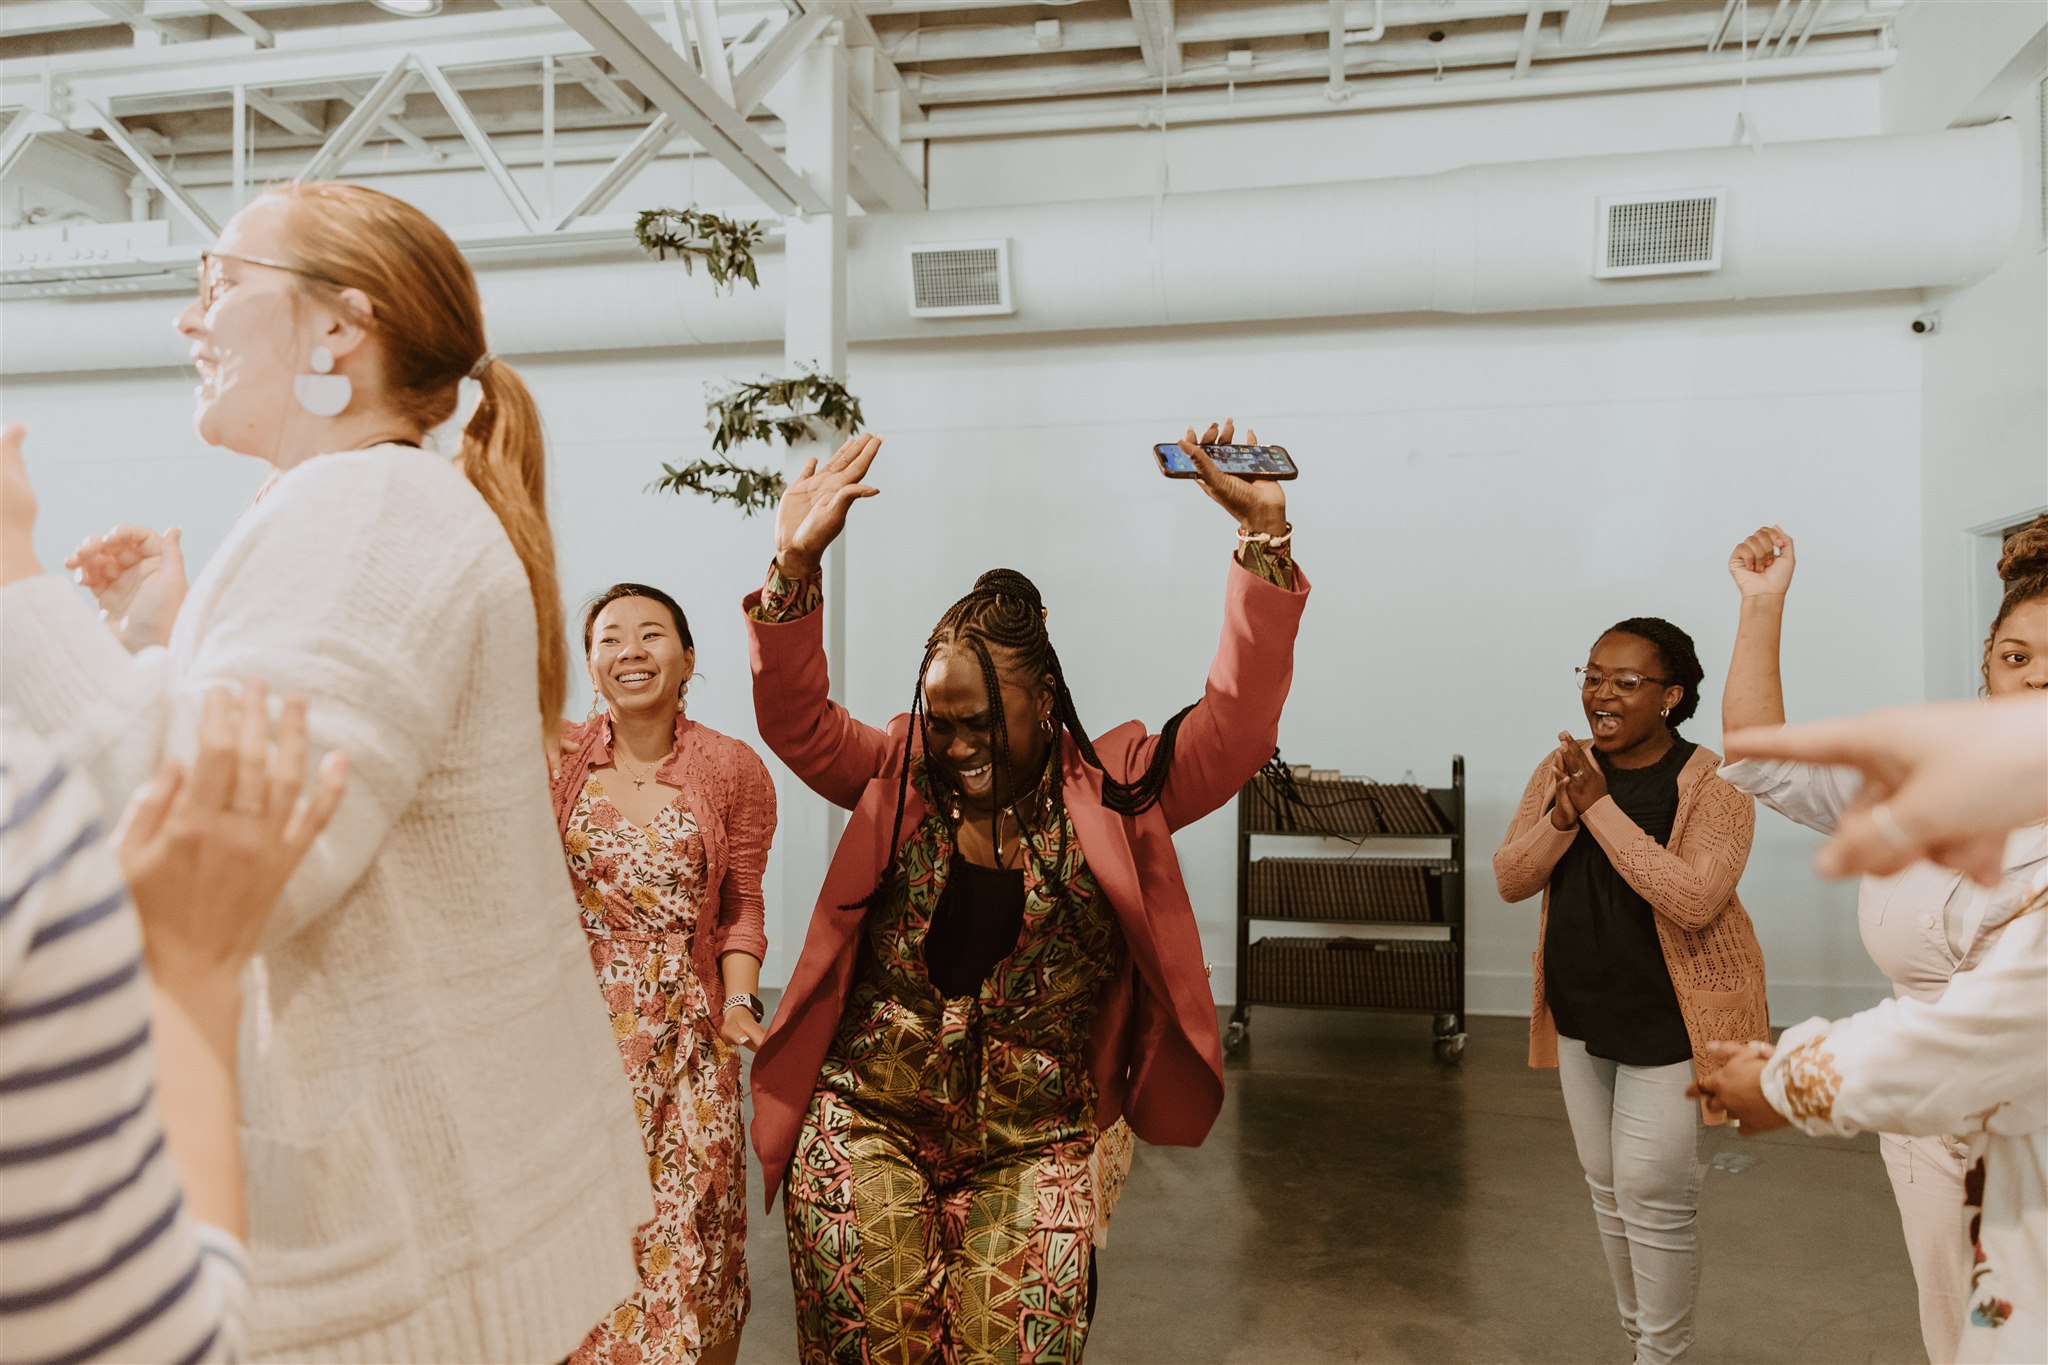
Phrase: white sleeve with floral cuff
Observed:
(1974, 1063)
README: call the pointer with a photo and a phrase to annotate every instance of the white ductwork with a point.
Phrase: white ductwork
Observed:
(1837, 217)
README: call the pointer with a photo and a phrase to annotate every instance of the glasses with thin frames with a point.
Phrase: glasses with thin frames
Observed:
(1592, 680)
(210, 275)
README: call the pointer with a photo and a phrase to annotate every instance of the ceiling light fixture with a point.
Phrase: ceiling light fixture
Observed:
(410, 9)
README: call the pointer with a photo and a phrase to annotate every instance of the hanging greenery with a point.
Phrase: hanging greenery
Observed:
(725, 245)
(789, 410)
(751, 490)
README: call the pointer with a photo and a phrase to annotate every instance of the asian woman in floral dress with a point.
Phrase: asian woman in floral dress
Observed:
(666, 825)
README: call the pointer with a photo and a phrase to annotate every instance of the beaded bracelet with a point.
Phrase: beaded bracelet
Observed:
(1267, 539)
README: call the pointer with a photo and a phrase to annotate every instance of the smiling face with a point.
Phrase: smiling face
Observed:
(251, 338)
(1626, 721)
(638, 663)
(2018, 658)
(960, 727)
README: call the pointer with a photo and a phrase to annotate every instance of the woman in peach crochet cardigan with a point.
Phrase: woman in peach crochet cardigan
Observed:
(1645, 957)
(666, 824)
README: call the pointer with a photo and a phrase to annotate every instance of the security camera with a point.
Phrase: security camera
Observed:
(1927, 324)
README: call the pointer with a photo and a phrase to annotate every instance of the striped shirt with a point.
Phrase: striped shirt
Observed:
(99, 1259)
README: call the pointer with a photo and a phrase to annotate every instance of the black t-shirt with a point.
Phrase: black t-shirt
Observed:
(1604, 975)
(974, 926)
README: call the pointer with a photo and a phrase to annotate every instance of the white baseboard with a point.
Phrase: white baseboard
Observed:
(1507, 993)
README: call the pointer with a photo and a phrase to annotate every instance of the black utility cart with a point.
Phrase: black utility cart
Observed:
(1405, 867)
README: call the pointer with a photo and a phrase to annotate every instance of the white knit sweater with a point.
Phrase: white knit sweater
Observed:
(443, 1159)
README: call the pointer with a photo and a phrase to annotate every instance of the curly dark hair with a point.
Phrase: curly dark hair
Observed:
(1681, 660)
(1004, 613)
(2023, 568)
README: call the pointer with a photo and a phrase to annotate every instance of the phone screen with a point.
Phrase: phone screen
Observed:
(1251, 461)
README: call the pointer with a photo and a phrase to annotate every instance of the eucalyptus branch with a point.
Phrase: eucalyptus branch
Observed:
(725, 245)
(790, 409)
(751, 490)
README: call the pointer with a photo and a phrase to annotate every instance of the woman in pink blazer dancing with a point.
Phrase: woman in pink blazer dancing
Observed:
(1003, 959)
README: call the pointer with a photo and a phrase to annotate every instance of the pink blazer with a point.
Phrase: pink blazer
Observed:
(727, 789)
(1154, 1053)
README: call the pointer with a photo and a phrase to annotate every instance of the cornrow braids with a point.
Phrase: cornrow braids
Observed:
(1004, 612)
(1681, 660)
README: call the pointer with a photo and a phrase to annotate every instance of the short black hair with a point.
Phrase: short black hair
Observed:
(619, 590)
(1681, 660)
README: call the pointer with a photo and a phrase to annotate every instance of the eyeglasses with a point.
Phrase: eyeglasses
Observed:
(1592, 680)
(210, 276)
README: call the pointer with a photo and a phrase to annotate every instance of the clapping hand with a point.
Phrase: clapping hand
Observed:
(1581, 781)
(138, 578)
(1260, 505)
(1736, 1087)
(1762, 565)
(813, 509)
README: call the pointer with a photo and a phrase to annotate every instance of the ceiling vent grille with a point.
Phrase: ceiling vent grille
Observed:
(1659, 234)
(960, 279)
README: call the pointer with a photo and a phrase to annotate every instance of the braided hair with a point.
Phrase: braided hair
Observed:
(1681, 660)
(1004, 613)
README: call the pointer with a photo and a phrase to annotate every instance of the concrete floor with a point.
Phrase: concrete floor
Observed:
(1357, 1202)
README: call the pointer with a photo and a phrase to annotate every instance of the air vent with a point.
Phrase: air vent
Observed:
(960, 279)
(1659, 234)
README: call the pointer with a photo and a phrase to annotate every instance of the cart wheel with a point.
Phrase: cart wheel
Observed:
(1234, 1036)
(1451, 1048)
(1446, 1025)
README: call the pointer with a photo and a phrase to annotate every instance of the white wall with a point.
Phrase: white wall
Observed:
(1482, 495)
(1480, 498)
(1984, 435)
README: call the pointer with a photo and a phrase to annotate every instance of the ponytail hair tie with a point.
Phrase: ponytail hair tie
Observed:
(483, 363)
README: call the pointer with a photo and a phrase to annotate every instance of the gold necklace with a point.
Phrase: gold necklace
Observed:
(619, 763)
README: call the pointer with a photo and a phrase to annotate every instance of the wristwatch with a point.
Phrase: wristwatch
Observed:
(750, 1000)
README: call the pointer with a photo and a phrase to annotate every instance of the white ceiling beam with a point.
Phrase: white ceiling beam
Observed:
(1412, 91)
(1308, 58)
(479, 143)
(355, 130)
(174, 194)
(1531, 27)
(880, 178)
(129, 12)
(282, 114)
(653, 140)
(24, 128)
(643, 57)
(711, 48)
(1158, 38)
(227, 11)
(586, 72)
(775, 58)
(1582, 23)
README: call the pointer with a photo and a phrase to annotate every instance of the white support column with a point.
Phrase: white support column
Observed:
(812, 101)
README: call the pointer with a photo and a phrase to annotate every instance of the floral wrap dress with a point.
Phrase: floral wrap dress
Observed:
(642, 892)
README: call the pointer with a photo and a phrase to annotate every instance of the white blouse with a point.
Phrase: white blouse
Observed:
(1920, 926)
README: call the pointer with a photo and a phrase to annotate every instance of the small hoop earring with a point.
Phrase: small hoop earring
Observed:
(322, 393)
(1666, 713)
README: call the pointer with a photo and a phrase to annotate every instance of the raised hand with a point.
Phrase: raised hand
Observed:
(138, 578)
(1762, 565)
(813, 508)
(1260, 505)
(1563, 814)
(206, 854)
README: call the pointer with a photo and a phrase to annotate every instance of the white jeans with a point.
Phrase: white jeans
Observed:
(1928, 1184)
(1641, 1144)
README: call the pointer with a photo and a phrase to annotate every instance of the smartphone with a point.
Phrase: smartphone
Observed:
(1249, 462)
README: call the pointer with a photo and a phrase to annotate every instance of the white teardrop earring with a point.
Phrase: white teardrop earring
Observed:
(322, 393)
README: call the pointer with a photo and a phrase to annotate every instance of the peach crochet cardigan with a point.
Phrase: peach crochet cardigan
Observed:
(728, 789)
(1709, 944)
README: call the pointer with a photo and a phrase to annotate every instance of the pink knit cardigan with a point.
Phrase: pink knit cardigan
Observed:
(728, 791)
